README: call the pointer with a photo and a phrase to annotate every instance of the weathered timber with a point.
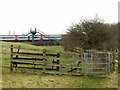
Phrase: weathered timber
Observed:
(58, 61)
(44, 60)
(63, 73)
(27, 58)
(24, 62)
(48, 72)
(32, 59)
(18, 51)
(36, 63)
(11, 56)
(74, 69)
(29, 53)
(32, 68)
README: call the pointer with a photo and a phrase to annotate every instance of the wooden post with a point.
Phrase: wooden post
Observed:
(73, 58)
(58, 61)
(18, 51)
(11, 57)
(113, 62)
(53, 62)
(119, 63)
(107, 62)
(82, 58)
(91, 65)
(85, 59)
(44, 60)
(17, 55)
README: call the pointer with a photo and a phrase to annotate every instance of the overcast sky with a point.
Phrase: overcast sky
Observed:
(52, 16)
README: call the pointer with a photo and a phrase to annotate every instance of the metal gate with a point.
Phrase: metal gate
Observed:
(96, 63)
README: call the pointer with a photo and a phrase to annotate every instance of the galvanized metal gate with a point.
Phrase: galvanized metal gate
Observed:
(96, 63)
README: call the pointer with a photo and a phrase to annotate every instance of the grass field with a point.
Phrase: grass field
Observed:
(32, 79)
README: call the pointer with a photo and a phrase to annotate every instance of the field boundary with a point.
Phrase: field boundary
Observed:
(87, 64)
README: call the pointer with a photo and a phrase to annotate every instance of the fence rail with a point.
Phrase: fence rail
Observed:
(82, 63)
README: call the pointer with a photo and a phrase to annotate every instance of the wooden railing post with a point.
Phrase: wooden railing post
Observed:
(17, 55)
(18, 51)
(82, 58)
(113, 62)
(44, 60)
(58, 61)
(53, 61)
(11, 57)
(85, 63)
(108, 63)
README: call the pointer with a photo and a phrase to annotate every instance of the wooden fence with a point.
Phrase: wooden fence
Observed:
(86, 63)
(44, 61)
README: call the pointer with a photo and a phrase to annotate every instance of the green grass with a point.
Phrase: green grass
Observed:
(32, 79)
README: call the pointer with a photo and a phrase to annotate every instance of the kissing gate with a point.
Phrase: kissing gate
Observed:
(71, 63)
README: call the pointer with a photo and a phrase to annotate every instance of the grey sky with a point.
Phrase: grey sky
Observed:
(52, 16)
